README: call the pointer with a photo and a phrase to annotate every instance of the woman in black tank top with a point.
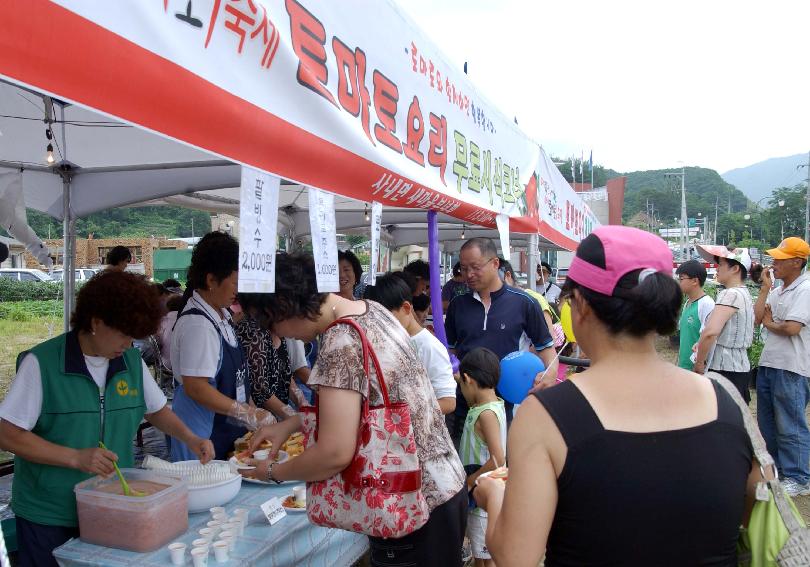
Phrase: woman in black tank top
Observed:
(635, 461)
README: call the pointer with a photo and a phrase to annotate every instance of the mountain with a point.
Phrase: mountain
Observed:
(705, 189)
(757, 181)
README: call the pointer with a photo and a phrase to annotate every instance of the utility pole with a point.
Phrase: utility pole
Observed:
(684, 219)
(716, 206)
(806, 201)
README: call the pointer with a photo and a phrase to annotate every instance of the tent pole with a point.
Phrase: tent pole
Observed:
(533, 250)
(68, 227)
(435, 277)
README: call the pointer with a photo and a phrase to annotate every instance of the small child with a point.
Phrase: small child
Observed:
(483, 441)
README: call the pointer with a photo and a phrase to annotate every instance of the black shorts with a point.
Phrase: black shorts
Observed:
(36, 542)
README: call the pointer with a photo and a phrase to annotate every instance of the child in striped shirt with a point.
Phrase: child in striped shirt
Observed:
(483, 441)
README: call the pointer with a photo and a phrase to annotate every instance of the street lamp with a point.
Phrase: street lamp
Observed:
(782, 216)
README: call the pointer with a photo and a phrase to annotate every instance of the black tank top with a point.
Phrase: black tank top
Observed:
(669, 498)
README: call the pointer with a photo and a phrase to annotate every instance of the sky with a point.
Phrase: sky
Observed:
(644, 84)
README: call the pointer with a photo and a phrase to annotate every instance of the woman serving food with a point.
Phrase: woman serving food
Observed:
(70, 393)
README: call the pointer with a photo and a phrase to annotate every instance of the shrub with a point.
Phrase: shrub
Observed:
(30, 310)
(31, 291)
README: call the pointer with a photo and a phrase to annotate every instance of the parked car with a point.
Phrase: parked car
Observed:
(24, 275)
(81, 274)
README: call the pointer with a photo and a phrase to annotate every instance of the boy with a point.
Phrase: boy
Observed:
(692, 277)
(483, 441)
(393, 293)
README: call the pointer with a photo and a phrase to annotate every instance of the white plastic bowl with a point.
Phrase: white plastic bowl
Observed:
(201, 498)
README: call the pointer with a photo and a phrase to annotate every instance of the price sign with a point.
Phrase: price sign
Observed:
(273, 510)
(258, 223)
(324, 239)
(503, 231)
(376, 223)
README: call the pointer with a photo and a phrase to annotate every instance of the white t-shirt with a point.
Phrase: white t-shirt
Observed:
(196, 347)
(790, 353)
(297, 352)
(437, 363)
(705, 306)
(23, 403)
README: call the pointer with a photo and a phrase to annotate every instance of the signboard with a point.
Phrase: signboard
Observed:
(258, 236)
(358, 102)
(324, 239)
(376, 225)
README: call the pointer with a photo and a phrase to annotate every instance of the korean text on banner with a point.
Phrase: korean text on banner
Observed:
(258, 238)
(503, 231)
(324, 239)
(376, 224)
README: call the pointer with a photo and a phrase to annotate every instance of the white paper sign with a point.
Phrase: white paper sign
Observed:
(503, 230)
(376, 223)
(273, 510)
(324, 239)
(258, 231)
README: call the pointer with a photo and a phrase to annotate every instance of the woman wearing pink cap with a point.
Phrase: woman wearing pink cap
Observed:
(729, 329)
(634, 461)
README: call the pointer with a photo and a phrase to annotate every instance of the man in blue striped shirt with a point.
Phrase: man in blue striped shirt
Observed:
(494, 316)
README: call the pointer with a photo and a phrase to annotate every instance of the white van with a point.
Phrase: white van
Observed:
(81, 274)
(24, 275)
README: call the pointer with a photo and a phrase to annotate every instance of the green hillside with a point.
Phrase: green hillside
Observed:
(128, 222)
(705, 189)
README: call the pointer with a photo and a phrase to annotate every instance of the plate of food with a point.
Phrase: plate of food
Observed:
(293, 506)
(293, 446)
(239, 460)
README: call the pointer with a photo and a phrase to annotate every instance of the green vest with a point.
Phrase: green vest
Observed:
(74, 414)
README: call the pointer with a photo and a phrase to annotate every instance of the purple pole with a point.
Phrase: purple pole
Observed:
(436, 283)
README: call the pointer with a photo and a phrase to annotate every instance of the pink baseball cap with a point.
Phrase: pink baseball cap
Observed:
(611, 252)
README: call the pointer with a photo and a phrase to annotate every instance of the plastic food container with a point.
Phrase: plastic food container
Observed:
(135, 523)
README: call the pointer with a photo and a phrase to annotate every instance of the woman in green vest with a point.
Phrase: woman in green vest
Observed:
(70, 393)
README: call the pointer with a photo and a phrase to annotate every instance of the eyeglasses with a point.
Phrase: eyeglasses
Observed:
(474, 268)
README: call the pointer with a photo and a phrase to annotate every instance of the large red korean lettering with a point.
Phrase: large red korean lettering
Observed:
(416, 131)
(386, 97)
(353, 94)
(308, 37)
(437, 152)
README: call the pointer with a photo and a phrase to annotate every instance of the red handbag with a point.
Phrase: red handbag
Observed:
(380, 492)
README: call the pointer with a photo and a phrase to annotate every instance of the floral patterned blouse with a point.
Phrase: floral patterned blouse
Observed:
(270, 373)
(340, 365)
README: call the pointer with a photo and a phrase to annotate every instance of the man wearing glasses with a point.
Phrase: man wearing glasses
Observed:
(547, 287)
(494, 316)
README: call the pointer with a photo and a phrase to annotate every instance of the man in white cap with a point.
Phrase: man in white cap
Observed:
(784, 366)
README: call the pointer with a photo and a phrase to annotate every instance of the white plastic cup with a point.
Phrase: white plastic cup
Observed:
(216, 510)
(177, 551)
(221, 549)
(200, 542)
(220, 517)
(207, 533)
(230, 537)
(230, 525)
(300, 494)
(238, 524)
(199, 555)
(261, 455)
(239, 512)
(215, 525)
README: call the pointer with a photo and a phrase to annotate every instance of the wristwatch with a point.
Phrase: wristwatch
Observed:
(270, 474)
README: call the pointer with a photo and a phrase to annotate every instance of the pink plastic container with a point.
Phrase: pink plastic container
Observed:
(135, 523)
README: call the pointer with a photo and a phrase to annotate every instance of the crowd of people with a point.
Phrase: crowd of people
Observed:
(575, 475)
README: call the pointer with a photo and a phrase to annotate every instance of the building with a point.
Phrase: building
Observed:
(16, 253)
(92, 252)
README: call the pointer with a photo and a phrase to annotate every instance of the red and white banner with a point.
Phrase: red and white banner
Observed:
(353, 99)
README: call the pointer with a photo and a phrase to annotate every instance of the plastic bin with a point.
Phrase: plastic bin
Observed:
(135, 523)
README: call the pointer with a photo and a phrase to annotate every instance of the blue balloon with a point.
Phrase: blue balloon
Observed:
(518, 370)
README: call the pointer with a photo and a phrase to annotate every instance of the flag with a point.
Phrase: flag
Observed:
(590, 162)
(581, 159)
(573, 171)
